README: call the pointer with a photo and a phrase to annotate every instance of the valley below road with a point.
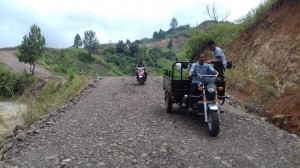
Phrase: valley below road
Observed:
(119, 123)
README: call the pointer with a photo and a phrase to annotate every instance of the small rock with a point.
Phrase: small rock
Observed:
(143, 155)
(100, 164)
(226, 164)
(21, 136)
(10, 135)
(18, 128)
(263, 118)
(91, 85)
(248, 119)
(50, 123)
(52, 160)
(217, 158)
(155, 154)
(36, 131)
(65, 161)
(113, 145)
(134, 161)
(6, 147)
(130, 139)
(294, 136)
(163, 150)
(250, 157)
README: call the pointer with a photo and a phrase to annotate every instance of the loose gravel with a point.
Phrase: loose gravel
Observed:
(119, 123)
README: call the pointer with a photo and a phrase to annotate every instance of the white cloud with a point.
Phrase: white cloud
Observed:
(61, 20)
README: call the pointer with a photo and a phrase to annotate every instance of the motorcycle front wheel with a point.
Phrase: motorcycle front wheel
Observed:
(213, 123)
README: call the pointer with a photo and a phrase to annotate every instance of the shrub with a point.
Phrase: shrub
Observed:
(13, 83)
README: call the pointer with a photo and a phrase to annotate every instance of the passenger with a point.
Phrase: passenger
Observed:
(219, 58)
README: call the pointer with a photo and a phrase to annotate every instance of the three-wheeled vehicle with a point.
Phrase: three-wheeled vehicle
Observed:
(211, 94)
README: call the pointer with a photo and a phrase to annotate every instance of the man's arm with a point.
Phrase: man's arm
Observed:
(218, 60)
(191, 71)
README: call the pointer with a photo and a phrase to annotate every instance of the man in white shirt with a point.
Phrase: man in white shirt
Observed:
(219, 60)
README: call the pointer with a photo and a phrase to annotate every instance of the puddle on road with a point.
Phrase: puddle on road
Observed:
(10, 112)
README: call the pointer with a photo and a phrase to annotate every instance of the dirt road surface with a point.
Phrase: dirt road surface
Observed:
(9, 58)
(121, 124)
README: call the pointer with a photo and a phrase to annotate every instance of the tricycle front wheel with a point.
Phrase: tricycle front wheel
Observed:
(213, 123)
(168, 102)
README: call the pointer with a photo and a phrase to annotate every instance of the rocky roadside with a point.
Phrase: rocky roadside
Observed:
(121, 124)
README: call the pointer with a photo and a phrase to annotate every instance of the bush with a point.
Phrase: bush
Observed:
(13, 83)
(255, 15)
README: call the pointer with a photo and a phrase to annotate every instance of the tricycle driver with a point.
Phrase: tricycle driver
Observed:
(202, 68)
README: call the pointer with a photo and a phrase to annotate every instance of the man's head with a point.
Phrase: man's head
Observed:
(211, 45)
(201, 57)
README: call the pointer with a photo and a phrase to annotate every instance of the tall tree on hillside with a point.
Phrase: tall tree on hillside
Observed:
(128, 42)
(212, 13)
(32, 47)
(133, 49)
(170, 44)
(77, 41)
(173, 23)
(120, 47)
(90, 42)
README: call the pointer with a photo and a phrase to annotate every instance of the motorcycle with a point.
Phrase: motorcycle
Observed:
(207, 102)
(141, 75)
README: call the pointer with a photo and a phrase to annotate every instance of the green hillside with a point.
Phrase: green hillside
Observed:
(180, 42)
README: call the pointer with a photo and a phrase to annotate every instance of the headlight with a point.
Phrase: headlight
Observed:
(211, 88)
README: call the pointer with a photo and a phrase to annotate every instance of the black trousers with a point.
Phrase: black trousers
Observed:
(195, 92)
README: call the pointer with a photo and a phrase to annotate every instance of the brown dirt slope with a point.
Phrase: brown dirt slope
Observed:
(11, 61)
(272, 46)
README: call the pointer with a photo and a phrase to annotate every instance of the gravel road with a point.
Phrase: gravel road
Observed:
(121, 124)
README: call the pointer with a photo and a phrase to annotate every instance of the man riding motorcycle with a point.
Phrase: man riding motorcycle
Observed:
(139, 65)
(203, 69)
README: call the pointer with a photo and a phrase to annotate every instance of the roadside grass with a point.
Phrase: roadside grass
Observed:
(255, 15)
(1, 119)
(269, 85)
(54, 94)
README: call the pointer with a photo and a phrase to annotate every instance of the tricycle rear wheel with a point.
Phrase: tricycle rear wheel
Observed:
(168, 102)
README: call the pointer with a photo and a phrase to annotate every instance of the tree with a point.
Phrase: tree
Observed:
(170, 44)
(173, 23)
(212, 13)
(155, 34)
(159, 35)
(32, 47)
(77, 41)
(134, 49)
(90, 42)
(120, 47)
(128, 42)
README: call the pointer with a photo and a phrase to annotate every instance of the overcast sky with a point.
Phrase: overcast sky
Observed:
(112, 20)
